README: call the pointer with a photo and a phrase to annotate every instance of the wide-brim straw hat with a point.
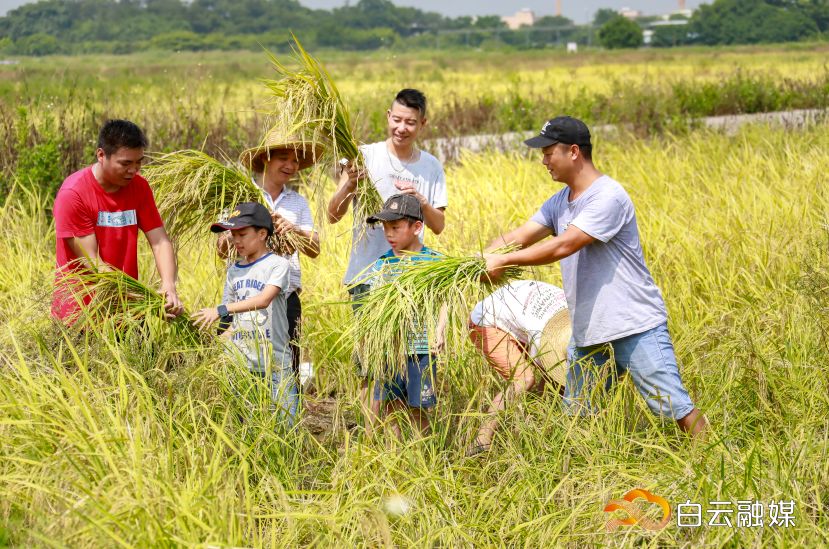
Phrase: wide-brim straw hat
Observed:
(552, 347)
(308, 153)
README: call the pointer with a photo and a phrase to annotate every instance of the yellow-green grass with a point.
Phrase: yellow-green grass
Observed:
(221, 88)
(106, 444)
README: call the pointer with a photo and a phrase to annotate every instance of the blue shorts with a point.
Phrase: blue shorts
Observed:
(650, 360)
(416, 387)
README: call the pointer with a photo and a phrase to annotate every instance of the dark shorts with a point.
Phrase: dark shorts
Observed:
(294, 314)
(416, 387)
(357, 292)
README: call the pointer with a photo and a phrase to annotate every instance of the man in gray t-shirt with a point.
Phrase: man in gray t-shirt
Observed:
(612, 297)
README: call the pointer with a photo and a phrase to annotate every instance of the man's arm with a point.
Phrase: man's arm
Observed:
(165, 262)
(311, 247)
(224, 245)
(555, 249)
(526, 235)
(434, 218)
(346, 189)
(85, 248)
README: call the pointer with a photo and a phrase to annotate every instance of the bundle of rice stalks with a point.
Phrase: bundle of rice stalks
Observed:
(287, 243)
(407, 299)
(129, 307)
(279, 243)
(306, 102)
(192, 190)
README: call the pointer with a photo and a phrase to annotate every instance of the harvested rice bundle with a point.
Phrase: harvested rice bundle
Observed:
(193, 189)
(306, 101)
(407, 297)
(117, 299)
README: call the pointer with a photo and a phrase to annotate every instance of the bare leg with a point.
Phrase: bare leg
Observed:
(694, 423)
(521, 383)
(420, 420)
(508, 358)
(393, 406)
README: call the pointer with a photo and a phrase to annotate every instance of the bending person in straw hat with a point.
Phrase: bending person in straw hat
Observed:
(274, 164)
(523, 330)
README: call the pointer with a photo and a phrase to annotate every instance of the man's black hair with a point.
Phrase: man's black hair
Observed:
(116, 134)
(413, 99)
(585, 150)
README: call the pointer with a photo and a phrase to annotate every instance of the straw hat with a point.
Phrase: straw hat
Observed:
(552, 348)
(307, 152)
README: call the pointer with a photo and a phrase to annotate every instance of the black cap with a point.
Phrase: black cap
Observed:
(398, 207)
(561, 129)
(246, 214)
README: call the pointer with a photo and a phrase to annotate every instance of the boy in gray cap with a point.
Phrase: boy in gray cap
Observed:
(254, 295)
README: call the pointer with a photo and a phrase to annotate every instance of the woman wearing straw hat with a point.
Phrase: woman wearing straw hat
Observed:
(522, 328)
(274, 164)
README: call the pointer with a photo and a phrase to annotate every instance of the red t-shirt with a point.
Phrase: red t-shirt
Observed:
(82, 208)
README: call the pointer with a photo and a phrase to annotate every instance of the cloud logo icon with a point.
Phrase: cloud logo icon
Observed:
(635, 513)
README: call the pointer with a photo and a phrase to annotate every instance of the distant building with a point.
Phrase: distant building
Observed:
(630, 13)
(522, 18)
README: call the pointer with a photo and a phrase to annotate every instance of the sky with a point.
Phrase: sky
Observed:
(580, 11)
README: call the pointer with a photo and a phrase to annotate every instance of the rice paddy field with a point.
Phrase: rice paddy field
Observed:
(111, 440)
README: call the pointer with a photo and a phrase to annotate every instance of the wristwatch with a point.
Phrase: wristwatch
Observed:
(222, 310)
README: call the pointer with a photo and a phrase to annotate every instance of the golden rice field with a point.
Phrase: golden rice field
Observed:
(365, 77)
(215, 98)
(109, 443)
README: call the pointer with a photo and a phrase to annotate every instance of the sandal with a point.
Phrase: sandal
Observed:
(477, 448)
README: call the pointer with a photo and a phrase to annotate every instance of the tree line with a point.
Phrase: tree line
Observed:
(125, 26)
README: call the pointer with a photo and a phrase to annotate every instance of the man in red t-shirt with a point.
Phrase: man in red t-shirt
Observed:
(98, 211)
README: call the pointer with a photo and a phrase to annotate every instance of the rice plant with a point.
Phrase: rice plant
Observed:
(306, 102)
(409, 296)
(192, 190)
(104, 444)
(126, 305)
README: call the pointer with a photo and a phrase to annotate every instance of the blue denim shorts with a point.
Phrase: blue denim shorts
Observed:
(416, 387)
(649, 359)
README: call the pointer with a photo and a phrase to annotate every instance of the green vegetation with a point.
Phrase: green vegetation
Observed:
(124, 26)
(51, 108)
(109, 443)
(620, 32)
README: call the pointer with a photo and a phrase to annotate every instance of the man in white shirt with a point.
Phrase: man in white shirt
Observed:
(394, 166)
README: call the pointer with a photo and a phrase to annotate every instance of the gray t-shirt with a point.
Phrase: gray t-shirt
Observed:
(427, 177)
(263, 333)
(610, 292)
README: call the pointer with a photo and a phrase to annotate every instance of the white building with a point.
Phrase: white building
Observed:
(522, 18)
(630, 13)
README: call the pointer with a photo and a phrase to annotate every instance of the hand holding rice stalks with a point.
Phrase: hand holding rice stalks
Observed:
(193, 189)
(411, 301)
(306, 102)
